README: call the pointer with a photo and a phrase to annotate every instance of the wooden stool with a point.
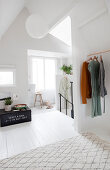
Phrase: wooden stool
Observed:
(41, 100)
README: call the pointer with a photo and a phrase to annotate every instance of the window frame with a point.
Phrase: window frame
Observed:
(6, 68)
(44, 58)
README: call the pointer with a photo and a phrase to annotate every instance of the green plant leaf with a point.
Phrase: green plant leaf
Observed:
(8, 101)
(66, 69)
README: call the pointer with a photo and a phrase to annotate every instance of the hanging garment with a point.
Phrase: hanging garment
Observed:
(94, 67)
(103, 91)
(64, 86)
(85, 83)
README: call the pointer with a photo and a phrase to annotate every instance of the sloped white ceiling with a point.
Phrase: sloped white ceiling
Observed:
(87, 10)
(92, 20)
(108, 4)
(51, 10)
(9, 9)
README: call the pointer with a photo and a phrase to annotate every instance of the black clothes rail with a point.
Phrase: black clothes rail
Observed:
(67, 101)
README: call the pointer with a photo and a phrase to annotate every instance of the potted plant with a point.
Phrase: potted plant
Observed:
(67, 69)
(8, 103)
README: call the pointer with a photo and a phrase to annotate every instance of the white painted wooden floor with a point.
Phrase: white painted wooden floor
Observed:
(46, 127)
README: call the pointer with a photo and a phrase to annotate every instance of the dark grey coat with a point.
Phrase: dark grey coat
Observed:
(103, 90)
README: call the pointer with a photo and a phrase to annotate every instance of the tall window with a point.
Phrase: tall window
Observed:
(43, 73)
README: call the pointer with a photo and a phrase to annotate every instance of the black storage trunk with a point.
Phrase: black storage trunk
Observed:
(14, 117)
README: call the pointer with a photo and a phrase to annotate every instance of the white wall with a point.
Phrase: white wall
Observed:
(90, 33)
(13, 51)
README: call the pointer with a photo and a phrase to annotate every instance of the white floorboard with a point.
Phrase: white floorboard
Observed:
(47, 126)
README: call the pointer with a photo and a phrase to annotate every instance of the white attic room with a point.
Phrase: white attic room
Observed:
(54, 85)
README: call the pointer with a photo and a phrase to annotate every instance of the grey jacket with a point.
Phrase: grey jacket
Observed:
(103, 90)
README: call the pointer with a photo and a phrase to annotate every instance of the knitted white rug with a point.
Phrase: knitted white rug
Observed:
(85, 151)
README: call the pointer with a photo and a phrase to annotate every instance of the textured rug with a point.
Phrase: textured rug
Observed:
(85, 151)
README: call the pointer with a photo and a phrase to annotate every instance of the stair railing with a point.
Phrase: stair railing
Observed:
(67, 101)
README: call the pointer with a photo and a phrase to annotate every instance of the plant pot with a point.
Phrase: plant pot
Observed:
(7, 108)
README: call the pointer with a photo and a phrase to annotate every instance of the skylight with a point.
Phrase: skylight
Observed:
(63, 31)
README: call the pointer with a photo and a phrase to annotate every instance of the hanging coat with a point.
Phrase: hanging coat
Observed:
(103, 90)
(64, 87)
(85, 83)
(94, 67)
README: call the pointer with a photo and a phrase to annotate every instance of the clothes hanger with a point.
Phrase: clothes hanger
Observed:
(101, 58)
(95, 58)
(89, 59)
